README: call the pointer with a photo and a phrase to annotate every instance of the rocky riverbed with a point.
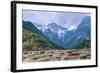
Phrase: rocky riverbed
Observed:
(56, 55)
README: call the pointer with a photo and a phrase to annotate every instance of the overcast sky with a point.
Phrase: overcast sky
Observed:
(69, 20)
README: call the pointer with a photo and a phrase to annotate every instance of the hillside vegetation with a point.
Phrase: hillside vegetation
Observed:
(34, 40)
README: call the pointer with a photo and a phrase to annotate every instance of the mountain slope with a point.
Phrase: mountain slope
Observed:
(29, 25)
(83, 32)
(34, 40)
(84, 44)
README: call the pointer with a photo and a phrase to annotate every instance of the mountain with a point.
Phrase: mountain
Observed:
(55, 27)
(61, 36)
(83, 32)
(55, 33)
(29, 25)
(85, 27)
(72, 38)
(33, 39)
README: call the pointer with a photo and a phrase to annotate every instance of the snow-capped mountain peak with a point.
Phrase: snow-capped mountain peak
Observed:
(56, 28)
(41, 27)
(61, 33)
(53, 27)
